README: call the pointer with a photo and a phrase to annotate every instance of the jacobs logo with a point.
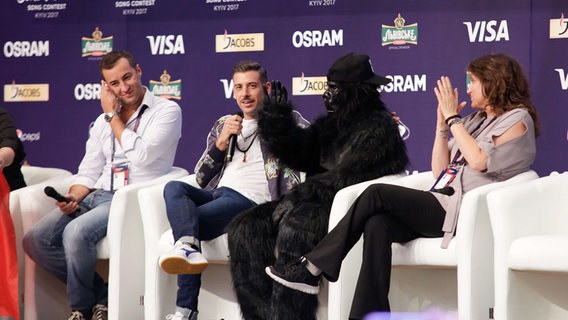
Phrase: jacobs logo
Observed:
(166, 88)
(239, 42)
(399, 34)
(304, 86)
(559, 28)
(97, 45)
(26, 92)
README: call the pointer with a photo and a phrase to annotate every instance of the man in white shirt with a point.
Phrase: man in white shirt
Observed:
(133, 140)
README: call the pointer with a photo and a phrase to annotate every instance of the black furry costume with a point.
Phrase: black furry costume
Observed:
(357, 142)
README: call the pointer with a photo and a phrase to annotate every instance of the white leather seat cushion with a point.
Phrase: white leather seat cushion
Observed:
(425, 252)
(540, 253)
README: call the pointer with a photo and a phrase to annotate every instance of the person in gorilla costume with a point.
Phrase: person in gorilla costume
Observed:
(357, 140)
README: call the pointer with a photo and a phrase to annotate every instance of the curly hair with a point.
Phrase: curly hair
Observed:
(504, 84)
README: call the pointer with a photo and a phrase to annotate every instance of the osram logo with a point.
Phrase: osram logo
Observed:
(317, 38)
(87, 91)
(18, 49)
(166, 44)
(412, 83)
(487, 31)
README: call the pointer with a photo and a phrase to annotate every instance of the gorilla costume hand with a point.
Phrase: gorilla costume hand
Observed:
(277, 100)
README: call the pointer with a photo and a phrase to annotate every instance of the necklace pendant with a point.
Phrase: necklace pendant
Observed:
(245, 157)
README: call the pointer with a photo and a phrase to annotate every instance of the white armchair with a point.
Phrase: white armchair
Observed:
(45, 296)
(32, 175)
(421, 265)
(217, 299)
(530, 224)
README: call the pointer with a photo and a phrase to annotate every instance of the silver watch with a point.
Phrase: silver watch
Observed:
(109, 115)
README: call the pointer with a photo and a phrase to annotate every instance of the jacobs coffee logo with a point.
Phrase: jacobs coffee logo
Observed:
(559, 27)
(239, 42)
(303, 86)
(26, 92)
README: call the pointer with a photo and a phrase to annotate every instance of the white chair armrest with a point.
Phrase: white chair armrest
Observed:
(34, 175)
(125, 235)
(34, 203)
(531, 208)
(153, 212)
(155, 223)
(521, 211)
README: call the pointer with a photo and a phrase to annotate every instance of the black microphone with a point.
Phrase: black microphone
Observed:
(233, 141)
(54, 194)
(445, 190)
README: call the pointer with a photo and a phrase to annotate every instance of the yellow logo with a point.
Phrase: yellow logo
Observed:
(239, 42)
(26, 92)
(304, 86)
(558, 28)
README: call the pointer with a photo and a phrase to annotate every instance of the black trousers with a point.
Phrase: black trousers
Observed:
(383, 214)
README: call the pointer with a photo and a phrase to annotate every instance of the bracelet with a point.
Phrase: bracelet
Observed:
(443, 133)
(454, 121)
(452, 117)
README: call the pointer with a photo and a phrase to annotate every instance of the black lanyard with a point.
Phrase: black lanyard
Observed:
(144, 107)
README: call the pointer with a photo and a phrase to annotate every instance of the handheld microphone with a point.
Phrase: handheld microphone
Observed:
(233, 141)
(49, 191)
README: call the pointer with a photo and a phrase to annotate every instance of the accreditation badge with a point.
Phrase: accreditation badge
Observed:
(119, 176)
(446, 177)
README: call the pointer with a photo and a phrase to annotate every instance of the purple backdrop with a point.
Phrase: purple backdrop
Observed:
(49, 60)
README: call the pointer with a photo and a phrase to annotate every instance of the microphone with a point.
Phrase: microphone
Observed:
(233, 141)
(49, 191)
(445, 190)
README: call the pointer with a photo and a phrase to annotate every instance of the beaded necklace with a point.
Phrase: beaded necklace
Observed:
(253, 135)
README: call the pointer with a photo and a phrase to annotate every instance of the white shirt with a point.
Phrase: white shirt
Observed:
(247, 177)
(149, 152)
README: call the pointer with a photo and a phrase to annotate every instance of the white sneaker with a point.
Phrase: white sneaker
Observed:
(179, 316)
(183, 259)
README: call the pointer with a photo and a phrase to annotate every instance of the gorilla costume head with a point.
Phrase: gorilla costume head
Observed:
(352, 81)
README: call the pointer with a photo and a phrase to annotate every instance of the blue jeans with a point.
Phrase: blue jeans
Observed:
(65, 245)
(202, 214)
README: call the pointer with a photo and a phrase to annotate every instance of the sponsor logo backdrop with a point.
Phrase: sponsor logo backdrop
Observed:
(51, 49)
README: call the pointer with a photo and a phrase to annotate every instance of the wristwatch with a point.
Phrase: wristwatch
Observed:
(454, 121)
(109, 115)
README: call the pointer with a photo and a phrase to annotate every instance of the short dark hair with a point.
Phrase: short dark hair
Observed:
(110, 59)
(245, 66)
